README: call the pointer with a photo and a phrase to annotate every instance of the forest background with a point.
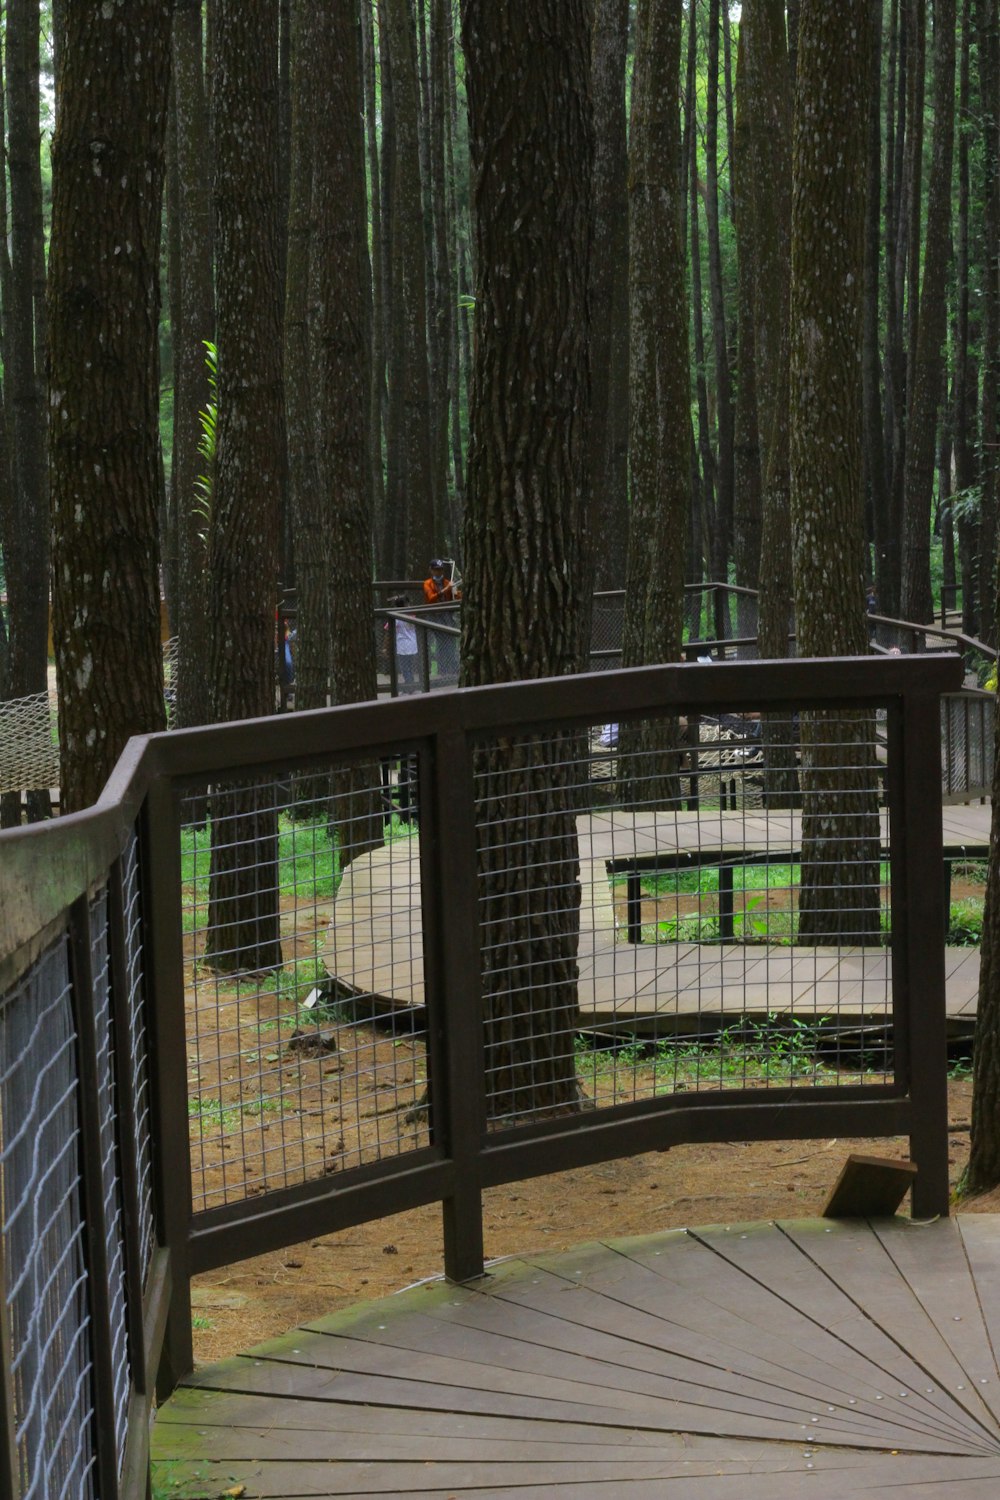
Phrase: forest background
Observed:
(931, 318)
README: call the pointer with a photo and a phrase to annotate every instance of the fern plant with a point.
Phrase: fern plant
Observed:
(206, 443)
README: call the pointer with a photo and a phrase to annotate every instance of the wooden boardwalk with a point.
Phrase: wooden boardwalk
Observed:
(744, 1362)
(374, 948)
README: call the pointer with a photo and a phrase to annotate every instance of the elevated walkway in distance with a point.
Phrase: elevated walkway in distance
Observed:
(374, 952)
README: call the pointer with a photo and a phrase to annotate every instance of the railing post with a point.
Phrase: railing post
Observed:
(164, 968)
(95, 1237)
(633, 906)
(453, 988)
(918, 951)
(125, 1125)
(726, 902)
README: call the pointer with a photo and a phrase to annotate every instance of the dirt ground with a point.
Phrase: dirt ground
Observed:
(240, 1305)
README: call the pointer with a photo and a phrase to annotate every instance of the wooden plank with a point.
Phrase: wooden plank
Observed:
(855, 1258)
(869, 1186)
(761, 1279)
(689, 1479)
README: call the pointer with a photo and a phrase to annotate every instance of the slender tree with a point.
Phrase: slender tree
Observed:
(107, 182)
(27, 541)
(746, 442)
(340, 281)
(243, 536)
(528, 81)
(313, 561)
(660, 429)
(609, 296)
(768, 101)
(409, 480)
(194, 325)
(839, 894)
(928, 357)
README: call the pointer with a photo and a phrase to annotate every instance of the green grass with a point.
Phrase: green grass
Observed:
(767, 1050)
(216, 1117)
(754, 921)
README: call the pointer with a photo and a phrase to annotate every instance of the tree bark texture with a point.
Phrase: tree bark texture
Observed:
(769, 130)
(340, 280)
(746, 441)
(192, 391)
(609, 297)
(313, 561)
(27, 540)
(928, 359)
(530, 126)
(409, 483)
(107, 183)
(243, 536)
(840, 895)
(988, 17)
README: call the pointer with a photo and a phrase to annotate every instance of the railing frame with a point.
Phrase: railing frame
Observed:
(51, 871)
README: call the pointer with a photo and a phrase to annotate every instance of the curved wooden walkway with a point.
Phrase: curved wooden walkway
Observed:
(373, 947)
(758, 1362)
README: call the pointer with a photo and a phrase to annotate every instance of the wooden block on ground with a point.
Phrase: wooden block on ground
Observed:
(869, 1187)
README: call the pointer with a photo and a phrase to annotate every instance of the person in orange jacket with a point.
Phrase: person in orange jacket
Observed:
(438, 588)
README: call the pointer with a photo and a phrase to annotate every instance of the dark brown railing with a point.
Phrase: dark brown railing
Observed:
(292, 975)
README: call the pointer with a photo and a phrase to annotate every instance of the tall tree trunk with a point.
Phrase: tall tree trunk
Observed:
(989, 91)
(769, 128)
(609, 296)
(192, 392)
(746, 442)
(895, 358)
(528, 80)
(660, 425)
(874, 437)
(340, 278)
(965, 390)
(104, 386)
(928, 361)
(378, 395)
(840, 890)
(723, 389)
(243, 537)
(409, 484)
(702, 494)
(442, 302)
(314, 562)
(27, 552)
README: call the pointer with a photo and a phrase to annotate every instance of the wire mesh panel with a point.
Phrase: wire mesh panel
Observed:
(137, 1043)
(29, 744)
(110, 1179)
(967, 744)
(679, 904)
(44, 1279)
(306, 1036)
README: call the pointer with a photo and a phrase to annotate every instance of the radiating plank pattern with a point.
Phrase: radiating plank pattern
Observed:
(372, 948)
(806, 1358)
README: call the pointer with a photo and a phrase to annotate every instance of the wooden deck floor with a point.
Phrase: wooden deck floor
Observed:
(744, 1362)
(374, 947)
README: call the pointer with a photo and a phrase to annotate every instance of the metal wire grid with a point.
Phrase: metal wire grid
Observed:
(45, 1290)
(316, 1064)
(111, 1183)
(29, 747)
(967, 743)
(138, 1049)
(646, 934)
